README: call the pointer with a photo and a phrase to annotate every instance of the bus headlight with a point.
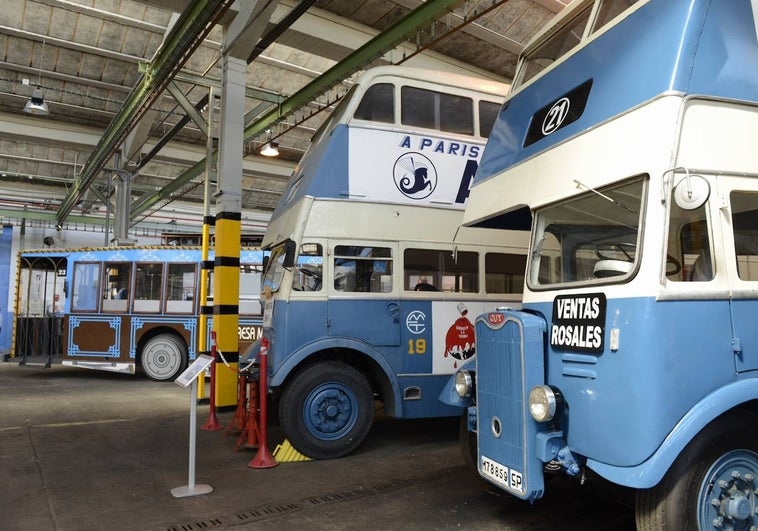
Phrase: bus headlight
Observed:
(544, 402)
(464, 384)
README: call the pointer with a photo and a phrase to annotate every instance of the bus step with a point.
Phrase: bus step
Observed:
(37, 362)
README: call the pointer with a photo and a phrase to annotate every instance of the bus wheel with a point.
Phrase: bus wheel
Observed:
(327, 410)
(713, 484)
(164, 357)
(467, 441)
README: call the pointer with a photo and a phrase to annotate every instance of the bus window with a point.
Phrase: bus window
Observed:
(487, 116)
(418, 107)
(554, 47)
(744, 213)
(595, 235)
(308, 272)
(250, 289)
(504, 272)
(690, 232)
(609, 10)
(86, 287)
(180, 285)
(378, 104)
(364, 269)
(147, 288)
(456, 114)
(118, 276)
(441, 270)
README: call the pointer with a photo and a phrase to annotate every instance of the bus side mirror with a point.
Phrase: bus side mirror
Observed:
(265, 263)
(290, 250)
(692, 192)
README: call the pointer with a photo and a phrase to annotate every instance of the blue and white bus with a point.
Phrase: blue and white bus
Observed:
(119, 308)
(371, 280)
(627, 144)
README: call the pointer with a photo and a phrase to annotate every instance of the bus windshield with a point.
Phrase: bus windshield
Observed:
(590, 238)
(277, 264)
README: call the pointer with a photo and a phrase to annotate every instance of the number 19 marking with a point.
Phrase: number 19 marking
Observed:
(417, 346)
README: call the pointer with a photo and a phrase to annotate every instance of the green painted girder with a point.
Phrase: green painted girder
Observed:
(373, 49)
(188, 32)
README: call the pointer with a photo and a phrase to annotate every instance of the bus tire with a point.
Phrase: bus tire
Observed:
(714, 480)
(163, 357)
(327, 410)
(468, 444)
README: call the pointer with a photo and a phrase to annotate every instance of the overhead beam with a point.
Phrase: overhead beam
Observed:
(185, 36)
(361, 57)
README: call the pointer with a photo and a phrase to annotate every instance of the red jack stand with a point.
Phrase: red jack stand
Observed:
(250, 436)
(263, 459)
(237, 423)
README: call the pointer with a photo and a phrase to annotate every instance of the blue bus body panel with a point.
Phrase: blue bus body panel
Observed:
(304, 328)
(323, 171)
(624, 403)
(664, 58)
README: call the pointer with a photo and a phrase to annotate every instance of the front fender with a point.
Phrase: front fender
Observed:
(281, 372)
(449, 396)
(650, 472)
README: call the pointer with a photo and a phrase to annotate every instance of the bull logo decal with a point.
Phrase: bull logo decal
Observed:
(460, 341)
(415, 176)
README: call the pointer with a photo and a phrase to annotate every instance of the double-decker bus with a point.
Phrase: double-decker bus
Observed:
(371, 280)
(119, 308)
(627, 144)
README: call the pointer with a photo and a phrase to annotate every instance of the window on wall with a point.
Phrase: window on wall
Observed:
(84, 294)
(362, 269)
(441, 270)
(181, 285)
(744, 206)
(148, 284)
(116, 283)
(377, 104)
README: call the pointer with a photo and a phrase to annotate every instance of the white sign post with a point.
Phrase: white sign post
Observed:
(189, 376)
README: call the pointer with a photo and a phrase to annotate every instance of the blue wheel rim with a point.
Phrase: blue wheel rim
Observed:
(727, 498)
(330, 411)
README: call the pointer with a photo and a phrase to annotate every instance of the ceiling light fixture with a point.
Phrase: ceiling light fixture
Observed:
(270, 148)
(36, 104)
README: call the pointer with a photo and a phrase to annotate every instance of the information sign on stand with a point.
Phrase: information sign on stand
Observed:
(187, 378)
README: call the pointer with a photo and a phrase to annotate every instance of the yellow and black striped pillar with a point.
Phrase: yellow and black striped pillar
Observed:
(226, 280)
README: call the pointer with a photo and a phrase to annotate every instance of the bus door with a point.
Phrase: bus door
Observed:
(41, 291)
(363, 302)
(741, 251)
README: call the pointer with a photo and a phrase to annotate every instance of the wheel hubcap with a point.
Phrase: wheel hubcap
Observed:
(729, 495)
(330, 411)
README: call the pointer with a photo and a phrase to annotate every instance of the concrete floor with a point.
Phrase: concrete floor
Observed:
(82, 450)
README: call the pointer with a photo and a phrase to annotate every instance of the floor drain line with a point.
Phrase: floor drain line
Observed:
(280, 509)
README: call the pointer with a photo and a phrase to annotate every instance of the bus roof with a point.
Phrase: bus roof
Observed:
(438, 77)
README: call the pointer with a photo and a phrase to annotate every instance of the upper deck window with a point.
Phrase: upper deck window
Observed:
(557, 45)
(436, 110)
(568, 36)
(377, 104)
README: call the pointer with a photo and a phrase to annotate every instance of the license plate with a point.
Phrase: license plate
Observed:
(508, 478)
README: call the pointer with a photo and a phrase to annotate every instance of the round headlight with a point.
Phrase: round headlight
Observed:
(542, 403)
(464, 384)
